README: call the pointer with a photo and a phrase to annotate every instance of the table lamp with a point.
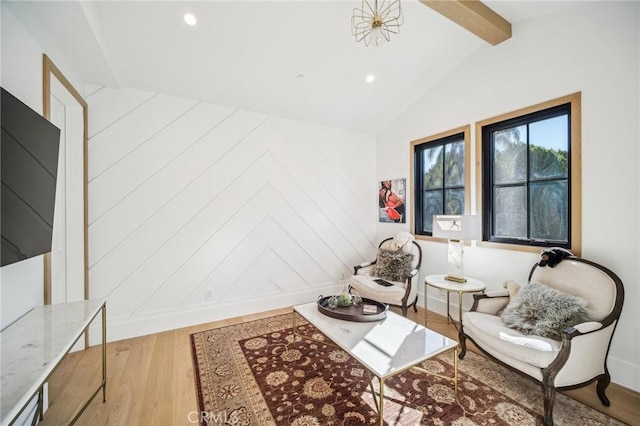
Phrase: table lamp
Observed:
(456, 228)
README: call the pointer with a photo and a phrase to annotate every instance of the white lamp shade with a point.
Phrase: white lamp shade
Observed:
(457, 227)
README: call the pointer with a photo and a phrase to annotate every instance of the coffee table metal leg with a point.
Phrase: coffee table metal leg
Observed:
(455, 371)
(377, 403)
(380, 411)
(453, 378)
(373, 393)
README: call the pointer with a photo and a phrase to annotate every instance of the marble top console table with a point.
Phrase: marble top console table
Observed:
(32, 348)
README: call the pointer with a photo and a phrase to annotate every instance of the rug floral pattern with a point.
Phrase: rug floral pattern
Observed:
(256, 373)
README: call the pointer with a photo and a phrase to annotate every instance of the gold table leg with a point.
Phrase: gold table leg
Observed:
(426, 286)
(455, 371)
(104, 353)
(449, 320)
(38, 415)
(103, 386)
(454, 379)
(373, 393)
(380, 410)
(293, 344)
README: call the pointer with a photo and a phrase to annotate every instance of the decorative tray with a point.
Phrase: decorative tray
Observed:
(352, 312)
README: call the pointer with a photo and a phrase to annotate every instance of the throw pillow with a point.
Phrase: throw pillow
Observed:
(402, 241)
(393, 265)
(539, 310)
(512, 287)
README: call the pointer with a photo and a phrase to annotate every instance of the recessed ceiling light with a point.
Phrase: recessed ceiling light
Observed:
(370, 78)
(190, 19)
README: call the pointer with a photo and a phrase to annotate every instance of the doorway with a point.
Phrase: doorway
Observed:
(66, 267)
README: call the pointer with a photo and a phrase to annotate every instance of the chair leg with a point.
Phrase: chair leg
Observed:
(462, 338)
(549, 395)
(415, 305)
(602, 386)
(404, 309)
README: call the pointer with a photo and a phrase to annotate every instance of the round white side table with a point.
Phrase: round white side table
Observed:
(438, 281)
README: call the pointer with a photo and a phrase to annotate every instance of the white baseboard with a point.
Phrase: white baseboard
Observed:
(125, 328)
(624, 373)
(439, 306)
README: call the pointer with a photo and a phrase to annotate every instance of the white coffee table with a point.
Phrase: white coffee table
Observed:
(385, 347)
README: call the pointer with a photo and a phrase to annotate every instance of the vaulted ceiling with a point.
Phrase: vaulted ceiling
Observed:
(251, 54)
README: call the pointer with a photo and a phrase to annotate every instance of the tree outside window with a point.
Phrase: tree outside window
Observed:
(528, 188)
(439, 178)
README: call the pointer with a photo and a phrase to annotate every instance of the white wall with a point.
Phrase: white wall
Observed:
(21, 284)
(593, 49)
(21, 289)
(199, 212)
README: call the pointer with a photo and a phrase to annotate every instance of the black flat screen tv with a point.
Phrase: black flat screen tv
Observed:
(30, 147)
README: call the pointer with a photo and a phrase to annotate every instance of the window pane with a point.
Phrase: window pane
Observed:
(527, 180)
(454, 164)
(510, 155)
(549, 213)
(510, 212)
(432, 160)
(549, 145)
(432, 205)
(454, 201)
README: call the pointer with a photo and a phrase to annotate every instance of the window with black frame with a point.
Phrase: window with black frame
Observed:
(439, 178)
(526, 179)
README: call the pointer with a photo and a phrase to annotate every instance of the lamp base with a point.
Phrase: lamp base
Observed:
(459, 280)
(455, 268)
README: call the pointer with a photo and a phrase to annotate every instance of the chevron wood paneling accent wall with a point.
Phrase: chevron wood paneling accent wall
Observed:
(199, 212)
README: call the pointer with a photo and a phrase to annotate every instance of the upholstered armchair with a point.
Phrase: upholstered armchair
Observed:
(574, 358)
(402, 288)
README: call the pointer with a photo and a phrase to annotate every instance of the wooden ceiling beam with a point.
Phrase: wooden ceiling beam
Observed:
(474, 16)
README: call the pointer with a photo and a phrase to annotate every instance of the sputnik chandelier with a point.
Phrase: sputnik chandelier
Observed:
(375, 21)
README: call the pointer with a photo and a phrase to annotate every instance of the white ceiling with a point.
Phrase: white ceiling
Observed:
(249, 54)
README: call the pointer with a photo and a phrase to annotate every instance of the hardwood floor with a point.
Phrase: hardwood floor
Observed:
(150, 381)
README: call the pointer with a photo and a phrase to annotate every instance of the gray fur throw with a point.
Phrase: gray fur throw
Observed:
(393, 265)
(543, 311)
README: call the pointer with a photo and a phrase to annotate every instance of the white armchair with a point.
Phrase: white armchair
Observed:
(575, 361)
(402, 292)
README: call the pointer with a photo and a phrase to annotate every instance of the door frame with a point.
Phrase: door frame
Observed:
(49, 69)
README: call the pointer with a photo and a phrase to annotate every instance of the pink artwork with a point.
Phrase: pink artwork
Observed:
(391, 200)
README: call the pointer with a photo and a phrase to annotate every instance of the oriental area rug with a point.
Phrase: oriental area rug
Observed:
(255, 374)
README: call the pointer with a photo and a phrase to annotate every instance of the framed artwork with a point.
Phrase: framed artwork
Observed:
(391, 200)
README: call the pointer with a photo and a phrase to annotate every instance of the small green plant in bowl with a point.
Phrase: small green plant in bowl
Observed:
(332, 302)
(344, 299)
